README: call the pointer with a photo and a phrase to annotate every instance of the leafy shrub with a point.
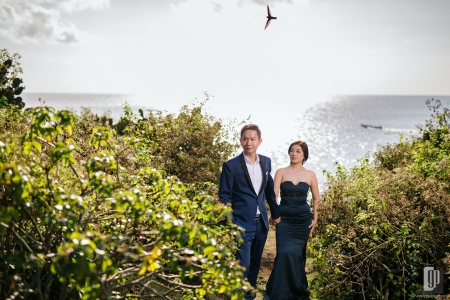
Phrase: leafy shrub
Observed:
(10, 85)
(191, 145)
(382, 223)
(77, 221)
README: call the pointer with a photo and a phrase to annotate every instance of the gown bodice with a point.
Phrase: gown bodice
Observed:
(293, 194)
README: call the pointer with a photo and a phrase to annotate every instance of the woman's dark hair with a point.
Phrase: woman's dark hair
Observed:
(304, 147)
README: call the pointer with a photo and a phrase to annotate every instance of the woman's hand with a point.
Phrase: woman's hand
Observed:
(274, 221)
(311, 227)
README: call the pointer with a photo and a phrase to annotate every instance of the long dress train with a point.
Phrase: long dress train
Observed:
(288, 277)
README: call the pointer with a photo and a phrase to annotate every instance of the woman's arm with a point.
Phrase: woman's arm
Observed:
(276, 189)
(316, 201)
(277, 182)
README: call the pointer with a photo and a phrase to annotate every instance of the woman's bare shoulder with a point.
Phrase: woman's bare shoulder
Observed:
(312, 176)
(281, 170)
(311, 172)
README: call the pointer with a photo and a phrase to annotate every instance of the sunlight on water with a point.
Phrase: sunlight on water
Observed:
(334, 131)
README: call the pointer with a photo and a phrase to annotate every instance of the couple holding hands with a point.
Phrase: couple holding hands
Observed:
(245, 185)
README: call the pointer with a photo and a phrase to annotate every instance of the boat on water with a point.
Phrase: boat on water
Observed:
(371, 126)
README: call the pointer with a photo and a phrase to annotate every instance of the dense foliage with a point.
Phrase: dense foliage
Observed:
(84, 213)
(191, 145)
(10, 85)
(383, 222)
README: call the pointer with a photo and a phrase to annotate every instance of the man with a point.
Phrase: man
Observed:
(245, 184)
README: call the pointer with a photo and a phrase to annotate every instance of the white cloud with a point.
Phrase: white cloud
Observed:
(78, 5)
(266, 2)
(217, 7)
(41, 20)
(269, 2)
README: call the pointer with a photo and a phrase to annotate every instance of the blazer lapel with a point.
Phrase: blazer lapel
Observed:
(263, 170)
(247, 175)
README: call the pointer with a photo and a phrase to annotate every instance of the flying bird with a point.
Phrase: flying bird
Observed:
(269, 17)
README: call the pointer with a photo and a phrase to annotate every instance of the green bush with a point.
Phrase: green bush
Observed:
(382, 223)
(10, 85)
(80, 219)
(191, 145)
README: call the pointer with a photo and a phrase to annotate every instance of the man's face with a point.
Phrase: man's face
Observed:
(250, 141)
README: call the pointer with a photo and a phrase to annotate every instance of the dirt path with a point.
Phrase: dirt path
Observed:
(270, 251)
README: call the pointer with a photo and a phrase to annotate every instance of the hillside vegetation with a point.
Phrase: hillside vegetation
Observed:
(95, 210)
(382, 222)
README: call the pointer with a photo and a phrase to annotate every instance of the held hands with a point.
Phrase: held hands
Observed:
(274, 221)
(311, 227)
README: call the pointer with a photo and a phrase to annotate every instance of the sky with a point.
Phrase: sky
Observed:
(168, 52)
(176, 49)
(171, 51)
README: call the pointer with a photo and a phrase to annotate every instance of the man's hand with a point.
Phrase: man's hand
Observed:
(276, 221)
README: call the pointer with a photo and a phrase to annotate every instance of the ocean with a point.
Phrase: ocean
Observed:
(333, 128)
(335, 131)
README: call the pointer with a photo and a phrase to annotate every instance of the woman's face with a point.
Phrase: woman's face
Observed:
(296, 154)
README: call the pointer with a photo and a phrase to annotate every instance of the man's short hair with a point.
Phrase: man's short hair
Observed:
(251, 127)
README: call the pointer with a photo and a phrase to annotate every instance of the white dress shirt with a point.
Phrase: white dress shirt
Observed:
(255, 172)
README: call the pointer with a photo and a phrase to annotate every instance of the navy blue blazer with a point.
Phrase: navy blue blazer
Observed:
(236, 188)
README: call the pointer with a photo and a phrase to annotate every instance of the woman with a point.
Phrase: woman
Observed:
(288, 277)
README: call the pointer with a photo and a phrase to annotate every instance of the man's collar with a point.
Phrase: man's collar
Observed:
(248, 160)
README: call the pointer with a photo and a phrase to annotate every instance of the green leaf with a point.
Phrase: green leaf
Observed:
(37, 146)
(27, 148)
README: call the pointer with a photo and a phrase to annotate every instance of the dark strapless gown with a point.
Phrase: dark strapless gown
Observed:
(288, 277)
